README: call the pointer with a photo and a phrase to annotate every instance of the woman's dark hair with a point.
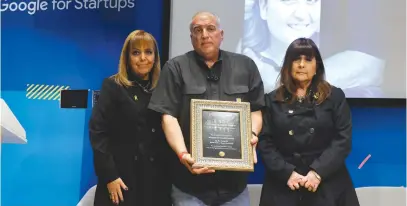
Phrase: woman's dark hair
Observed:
(319, 89)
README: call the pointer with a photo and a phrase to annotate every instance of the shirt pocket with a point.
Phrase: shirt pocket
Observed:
(194, 92)
(238, 91)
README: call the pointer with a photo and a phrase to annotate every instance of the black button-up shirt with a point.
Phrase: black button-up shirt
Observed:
(187, 77)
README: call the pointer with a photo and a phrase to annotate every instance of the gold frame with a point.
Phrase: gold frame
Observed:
(246, 163)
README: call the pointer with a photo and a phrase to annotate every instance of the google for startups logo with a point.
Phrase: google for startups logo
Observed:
(34, 6)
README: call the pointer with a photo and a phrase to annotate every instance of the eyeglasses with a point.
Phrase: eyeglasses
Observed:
(199, 30)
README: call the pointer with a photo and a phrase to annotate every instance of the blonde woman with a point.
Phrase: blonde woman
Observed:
(128, 144)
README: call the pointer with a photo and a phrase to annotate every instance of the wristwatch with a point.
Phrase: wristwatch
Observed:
(254, 133)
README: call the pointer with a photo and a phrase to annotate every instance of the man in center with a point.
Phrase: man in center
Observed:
(210, 73)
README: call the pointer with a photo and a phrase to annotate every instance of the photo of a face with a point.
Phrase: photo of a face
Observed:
(270, 26)
(290, 19)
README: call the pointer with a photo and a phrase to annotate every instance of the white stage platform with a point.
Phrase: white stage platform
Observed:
(368, 196)
(11, 129)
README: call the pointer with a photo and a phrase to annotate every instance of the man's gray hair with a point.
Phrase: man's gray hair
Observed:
(205, 12)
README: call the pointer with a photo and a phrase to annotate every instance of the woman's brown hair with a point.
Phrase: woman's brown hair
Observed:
(136, 38)
(319, 89)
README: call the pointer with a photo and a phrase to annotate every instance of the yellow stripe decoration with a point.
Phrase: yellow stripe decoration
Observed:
(44, 92)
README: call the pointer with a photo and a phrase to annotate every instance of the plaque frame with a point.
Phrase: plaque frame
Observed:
(246, 163)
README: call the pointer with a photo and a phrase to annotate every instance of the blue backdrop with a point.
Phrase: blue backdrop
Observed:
(76, 49)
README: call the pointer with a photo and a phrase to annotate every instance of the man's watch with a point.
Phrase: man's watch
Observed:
(254, 133)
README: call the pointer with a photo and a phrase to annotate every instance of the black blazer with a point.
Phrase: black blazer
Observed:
(128, 142)
(300, 138)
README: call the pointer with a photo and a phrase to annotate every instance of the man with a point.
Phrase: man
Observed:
(205, 73)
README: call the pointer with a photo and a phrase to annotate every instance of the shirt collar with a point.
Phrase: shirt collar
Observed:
(200, 58)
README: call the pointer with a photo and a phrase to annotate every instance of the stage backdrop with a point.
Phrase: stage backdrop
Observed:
(49, 45)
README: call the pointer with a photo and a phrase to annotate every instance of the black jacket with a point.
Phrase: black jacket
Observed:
(128, 142)
(301, 137)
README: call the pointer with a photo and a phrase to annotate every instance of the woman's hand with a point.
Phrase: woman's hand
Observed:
(295, 180)
(311, 181)
(188, 161)
(114, 187)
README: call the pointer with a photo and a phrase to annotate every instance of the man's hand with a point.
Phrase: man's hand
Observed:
(294, 181)
(254, 141)
(311, 181)
(188, 161)
(257, 122)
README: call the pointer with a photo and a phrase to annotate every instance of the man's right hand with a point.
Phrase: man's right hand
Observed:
(188, 161)
(115, 190)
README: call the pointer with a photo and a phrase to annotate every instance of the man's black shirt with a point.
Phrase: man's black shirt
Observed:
(187, 77)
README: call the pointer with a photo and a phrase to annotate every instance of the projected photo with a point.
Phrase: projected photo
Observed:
(271, 25)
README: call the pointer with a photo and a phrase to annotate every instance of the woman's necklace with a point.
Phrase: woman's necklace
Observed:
(301, 96)
(145, 88)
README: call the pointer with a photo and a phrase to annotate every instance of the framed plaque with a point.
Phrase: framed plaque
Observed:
(221, 134)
